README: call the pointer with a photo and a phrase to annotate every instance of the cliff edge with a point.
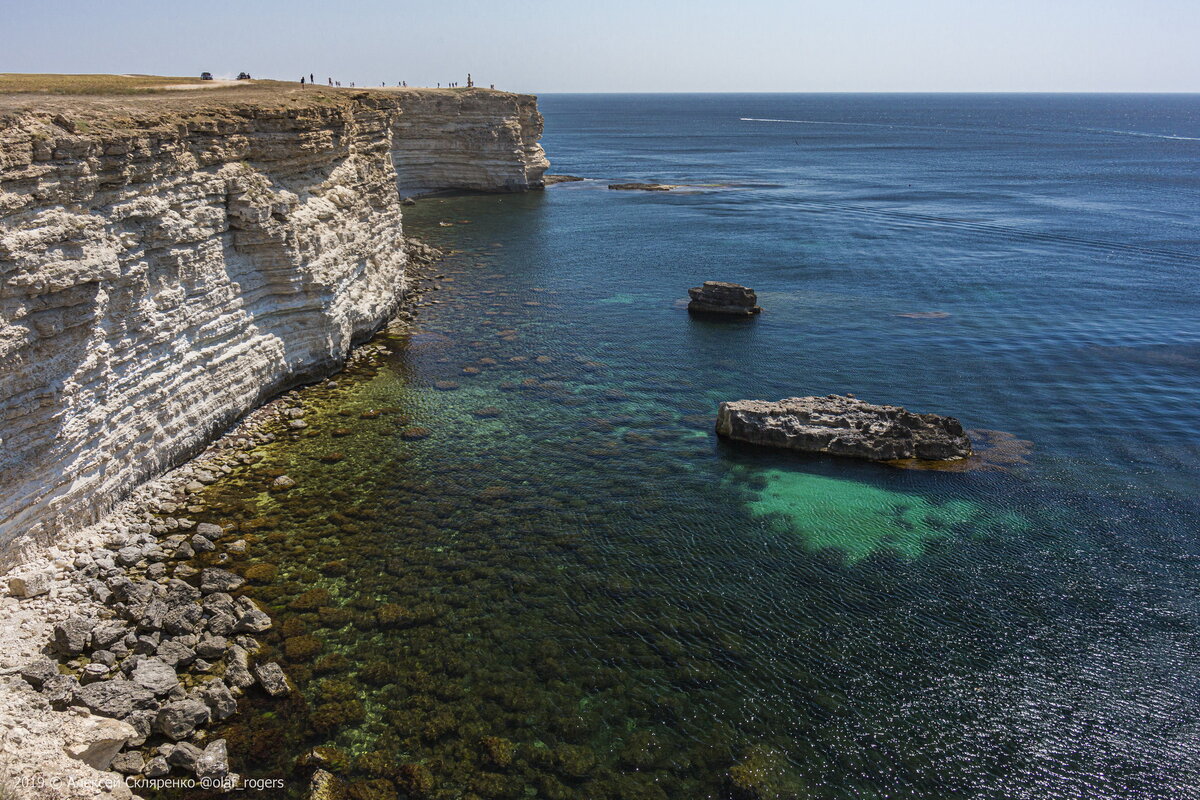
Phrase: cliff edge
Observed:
(167, 263)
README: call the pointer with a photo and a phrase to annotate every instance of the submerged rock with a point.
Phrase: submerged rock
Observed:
(727, 299)
(642, 187)
(271, 678)
(844, 426)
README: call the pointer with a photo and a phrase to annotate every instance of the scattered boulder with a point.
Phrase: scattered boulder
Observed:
(219, 580)
(214, 761)
(96, 740)
(212, 646)
(29, 585)
(130, 762)
(219, 699)
(155, 675)
(142, 722)
(326, 786)
(38, 671)
(128, 556)
(61, 691)
(157, 767)
(185, 755)
(252, 620)
(724, 299)
(202, 544)
(283, 483)
(72, 634)
(210, 531)
(844, 426)
(271, 678)
(108, 633)
(115, 698)
(175, 653)
(182, 619)
(237, 668)
(177, 720)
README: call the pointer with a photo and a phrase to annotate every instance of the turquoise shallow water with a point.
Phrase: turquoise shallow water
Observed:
(570, 589)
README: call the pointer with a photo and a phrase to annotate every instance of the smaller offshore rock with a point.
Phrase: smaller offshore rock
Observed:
(844, 426)
(725, 299)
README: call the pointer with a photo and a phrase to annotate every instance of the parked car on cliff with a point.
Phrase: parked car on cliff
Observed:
(206, 76)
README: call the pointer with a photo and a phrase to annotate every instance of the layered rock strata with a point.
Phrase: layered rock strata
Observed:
(844, 426)
(136, 617)
(165, 266)
(721, 298)
(486, 141)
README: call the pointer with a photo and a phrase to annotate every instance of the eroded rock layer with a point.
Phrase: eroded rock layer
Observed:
(484, 141)
(164, 269)
(844, 426)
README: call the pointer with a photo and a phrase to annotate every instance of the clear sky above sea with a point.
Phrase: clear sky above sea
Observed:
(628, 45)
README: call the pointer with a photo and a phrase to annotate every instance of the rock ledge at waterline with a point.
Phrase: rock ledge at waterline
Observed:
(844, 426)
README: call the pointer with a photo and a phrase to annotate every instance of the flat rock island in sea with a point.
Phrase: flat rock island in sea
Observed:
(844, 426)
(719, 297)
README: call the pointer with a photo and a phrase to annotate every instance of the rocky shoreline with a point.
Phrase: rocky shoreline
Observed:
(122, 642)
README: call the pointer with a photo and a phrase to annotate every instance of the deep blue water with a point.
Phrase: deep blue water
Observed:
(642, 611)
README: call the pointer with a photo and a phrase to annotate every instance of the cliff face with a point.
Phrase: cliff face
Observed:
(163, 272)
(455, 141)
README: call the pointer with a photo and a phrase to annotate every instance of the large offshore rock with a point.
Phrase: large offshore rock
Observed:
(844, 426)
(728, 299)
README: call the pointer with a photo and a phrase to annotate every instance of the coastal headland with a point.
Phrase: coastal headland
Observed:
(173, 257)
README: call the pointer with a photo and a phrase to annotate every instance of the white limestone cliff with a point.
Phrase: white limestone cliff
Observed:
(164, 269)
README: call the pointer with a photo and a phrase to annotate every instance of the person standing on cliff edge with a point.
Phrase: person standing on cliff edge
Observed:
(301, 80)
(310, 78)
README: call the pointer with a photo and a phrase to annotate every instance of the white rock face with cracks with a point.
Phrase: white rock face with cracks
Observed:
(163, 273)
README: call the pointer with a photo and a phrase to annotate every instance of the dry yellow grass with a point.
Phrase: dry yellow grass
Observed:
(14, 83)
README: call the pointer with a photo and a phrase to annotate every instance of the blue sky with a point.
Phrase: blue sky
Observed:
(628, 45)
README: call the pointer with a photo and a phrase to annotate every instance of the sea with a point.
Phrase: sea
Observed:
(518, 562)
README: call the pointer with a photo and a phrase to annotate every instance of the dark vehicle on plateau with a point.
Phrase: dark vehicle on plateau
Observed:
(206, 76)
